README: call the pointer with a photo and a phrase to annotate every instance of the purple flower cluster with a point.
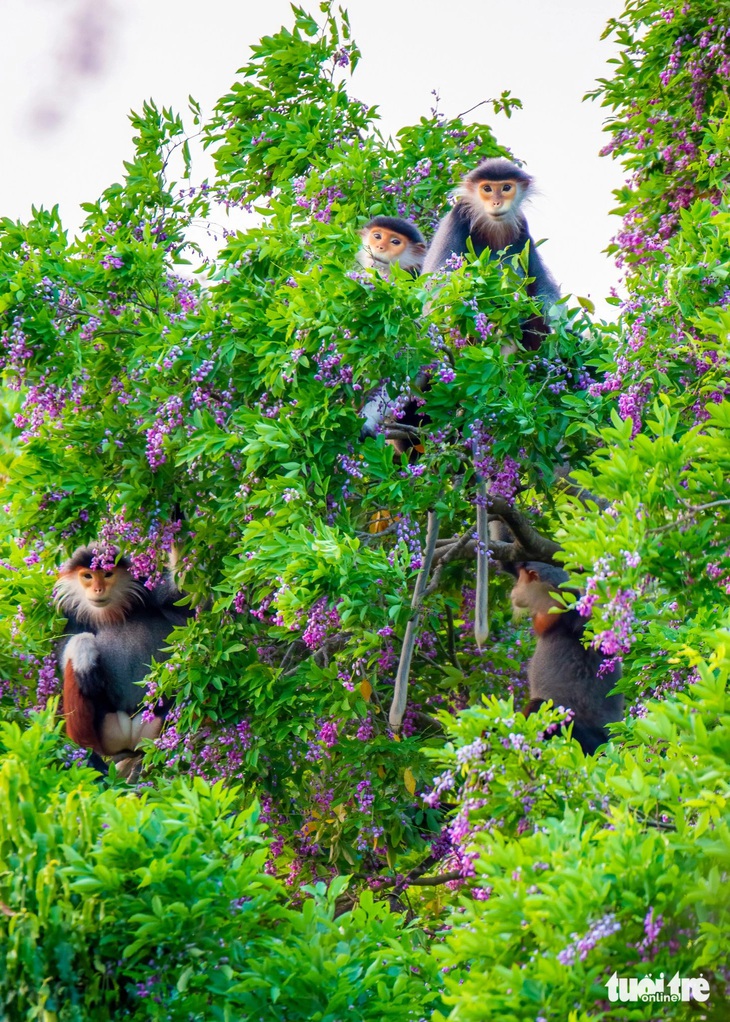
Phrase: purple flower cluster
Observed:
(330, 370)
(168, 418)
(320, 621)
(580, 947)
(212, 752)
(503, 475)
(320, 204)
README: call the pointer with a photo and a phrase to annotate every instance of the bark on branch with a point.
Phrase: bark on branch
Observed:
(400, 693)
(528, 545)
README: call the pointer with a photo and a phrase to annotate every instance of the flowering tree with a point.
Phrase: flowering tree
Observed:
(217, 411)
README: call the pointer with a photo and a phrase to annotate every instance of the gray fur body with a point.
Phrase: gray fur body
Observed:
(504, 238)
(110, 659)
(562, 669)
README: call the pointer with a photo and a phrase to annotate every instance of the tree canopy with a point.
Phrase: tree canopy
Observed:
(287, 855)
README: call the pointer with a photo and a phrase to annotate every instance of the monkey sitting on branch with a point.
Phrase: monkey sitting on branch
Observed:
(562, 668)
(387, 240)
(116, 626)
(489, 211)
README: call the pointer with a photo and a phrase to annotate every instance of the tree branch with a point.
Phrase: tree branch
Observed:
(571, 487)
(400, 693)
(481, 600)
(528, 545)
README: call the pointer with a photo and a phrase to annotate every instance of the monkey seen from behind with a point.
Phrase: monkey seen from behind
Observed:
(562, 668)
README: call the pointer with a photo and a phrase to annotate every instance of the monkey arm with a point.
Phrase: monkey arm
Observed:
(377, 403)
(544, 285)
(450, 237)
(81, 656)
(84, 697)
(165, 596)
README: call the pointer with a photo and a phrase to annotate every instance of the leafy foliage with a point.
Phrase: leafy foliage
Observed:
(159, 907)
(216, 409)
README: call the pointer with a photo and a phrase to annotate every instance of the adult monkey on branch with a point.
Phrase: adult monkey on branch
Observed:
(489, 212)
(116, 627)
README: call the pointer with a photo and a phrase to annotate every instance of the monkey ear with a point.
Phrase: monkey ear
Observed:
(532, 576)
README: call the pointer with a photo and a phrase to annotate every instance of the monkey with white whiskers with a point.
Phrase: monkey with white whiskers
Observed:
(389, 239)
(116, 626)
(489, 211)
(562, 668)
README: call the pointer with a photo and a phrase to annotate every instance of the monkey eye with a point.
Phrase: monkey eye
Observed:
(507, 188)
(487, 188)
(395, 241)
(377, 235)
(86, 574)
(108, 574)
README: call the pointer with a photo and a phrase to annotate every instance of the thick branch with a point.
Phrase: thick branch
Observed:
(481, 603)
(401, 431)
(400, 693)
(571, 487)
(529, 544)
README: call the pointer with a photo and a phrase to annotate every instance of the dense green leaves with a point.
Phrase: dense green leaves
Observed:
(218, 410)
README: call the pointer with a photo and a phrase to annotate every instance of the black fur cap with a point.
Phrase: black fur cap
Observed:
(394, 223)
(498, 169)
(84, 556)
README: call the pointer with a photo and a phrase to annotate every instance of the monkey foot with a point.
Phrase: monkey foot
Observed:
(130, 768)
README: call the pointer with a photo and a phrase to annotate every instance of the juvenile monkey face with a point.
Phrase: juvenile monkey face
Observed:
(99, 587)
(499, 198)
(384, 244)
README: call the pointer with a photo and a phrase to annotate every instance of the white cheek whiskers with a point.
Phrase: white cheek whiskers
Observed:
(72, 601)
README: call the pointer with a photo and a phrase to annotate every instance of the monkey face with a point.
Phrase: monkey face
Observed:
(524, 591)
(385, 245)
(99, 587)
(499, 199)
(96, 596)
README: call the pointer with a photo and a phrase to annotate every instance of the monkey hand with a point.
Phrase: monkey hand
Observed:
(374, 410)
(369, 429)
(82, 656)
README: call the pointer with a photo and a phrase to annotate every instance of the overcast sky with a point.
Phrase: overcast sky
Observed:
(72, 70)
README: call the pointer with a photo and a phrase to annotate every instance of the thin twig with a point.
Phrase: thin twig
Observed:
(444, 878)
(475, 107)
(693, 508)
(574, 489)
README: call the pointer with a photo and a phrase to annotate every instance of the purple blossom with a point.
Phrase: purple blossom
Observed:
(581, 946)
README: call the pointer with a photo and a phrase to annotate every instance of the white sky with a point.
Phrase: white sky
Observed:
(72, 70)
